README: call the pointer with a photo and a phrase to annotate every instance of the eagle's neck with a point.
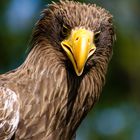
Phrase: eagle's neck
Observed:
(56, 99)
(40, 61)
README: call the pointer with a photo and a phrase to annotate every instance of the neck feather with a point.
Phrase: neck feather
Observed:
(44, 79)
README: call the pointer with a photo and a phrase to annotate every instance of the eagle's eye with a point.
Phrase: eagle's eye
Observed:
(65, 31)
(96, 36)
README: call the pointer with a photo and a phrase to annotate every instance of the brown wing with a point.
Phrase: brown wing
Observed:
(9, 113)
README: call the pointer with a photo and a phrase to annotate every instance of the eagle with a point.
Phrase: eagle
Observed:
(48, 96)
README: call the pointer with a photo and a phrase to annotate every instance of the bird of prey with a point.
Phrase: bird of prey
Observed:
(49, 95)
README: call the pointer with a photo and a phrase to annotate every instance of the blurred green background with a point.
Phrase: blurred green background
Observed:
(117, 114)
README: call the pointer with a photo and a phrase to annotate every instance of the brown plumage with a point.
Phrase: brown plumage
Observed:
(53, 99)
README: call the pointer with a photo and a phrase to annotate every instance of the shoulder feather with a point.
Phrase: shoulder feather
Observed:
(9, 113)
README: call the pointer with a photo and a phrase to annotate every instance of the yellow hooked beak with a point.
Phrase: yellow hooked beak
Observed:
(79, 47)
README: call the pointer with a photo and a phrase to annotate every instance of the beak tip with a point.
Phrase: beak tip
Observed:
(79, 73)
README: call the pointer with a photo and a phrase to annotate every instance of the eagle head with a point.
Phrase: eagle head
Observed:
(81, 32)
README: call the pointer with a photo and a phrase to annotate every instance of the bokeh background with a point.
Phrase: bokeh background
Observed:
(117, 114)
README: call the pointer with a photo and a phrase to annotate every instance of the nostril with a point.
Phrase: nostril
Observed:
(77, 38)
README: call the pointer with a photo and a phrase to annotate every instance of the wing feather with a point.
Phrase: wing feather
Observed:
(9, 113)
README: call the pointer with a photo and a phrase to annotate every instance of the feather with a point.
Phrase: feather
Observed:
(9, 113)
(44, 91)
